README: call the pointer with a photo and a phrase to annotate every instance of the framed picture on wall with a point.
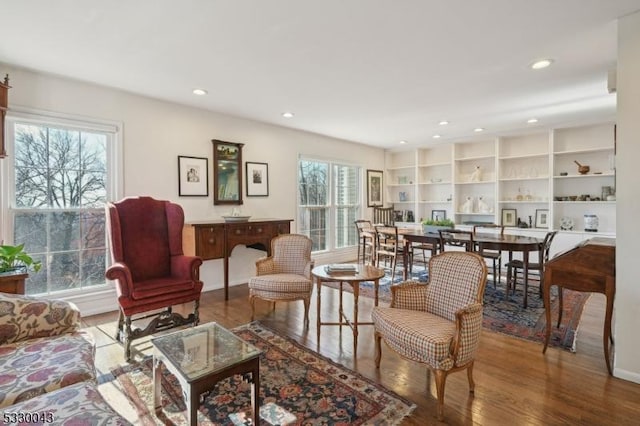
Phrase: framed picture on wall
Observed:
(193, 176)
(257, 179)
(438, 215)
(374, 188)
(509, 217)
(542, 218)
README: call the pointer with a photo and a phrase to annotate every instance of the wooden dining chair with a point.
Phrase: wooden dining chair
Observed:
(388, 247)
(383, 216)
(494, 255)
(366, 234)
(419, 253)
(514, 265)
(456, 238)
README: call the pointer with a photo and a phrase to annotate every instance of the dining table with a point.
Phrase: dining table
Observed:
(484, 241)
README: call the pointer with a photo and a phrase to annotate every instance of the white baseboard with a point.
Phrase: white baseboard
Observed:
(626, 375)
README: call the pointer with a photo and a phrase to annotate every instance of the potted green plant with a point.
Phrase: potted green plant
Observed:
(15, 259)
(432, 226)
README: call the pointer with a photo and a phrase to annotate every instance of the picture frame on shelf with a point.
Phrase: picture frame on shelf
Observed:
(438, 215)
(257, 179)
(193, 176)
(542, 218)
(374, 188)
(509, 217)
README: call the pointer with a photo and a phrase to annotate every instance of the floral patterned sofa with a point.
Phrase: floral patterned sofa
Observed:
(47, 364)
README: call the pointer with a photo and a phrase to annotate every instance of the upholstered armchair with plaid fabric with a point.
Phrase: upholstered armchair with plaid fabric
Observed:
(439, 323)
(286, 274)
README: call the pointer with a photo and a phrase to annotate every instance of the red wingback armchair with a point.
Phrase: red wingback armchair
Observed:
(148, 265)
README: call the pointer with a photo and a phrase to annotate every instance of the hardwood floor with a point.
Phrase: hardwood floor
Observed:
(515, 383)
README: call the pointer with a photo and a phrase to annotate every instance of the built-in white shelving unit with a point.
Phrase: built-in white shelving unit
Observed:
(532, 174)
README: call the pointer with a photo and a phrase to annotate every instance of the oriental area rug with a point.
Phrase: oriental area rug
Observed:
(297, 386)
(507, 316)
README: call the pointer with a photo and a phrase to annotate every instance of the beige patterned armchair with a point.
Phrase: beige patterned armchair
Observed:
(286, 274)
(439, 323)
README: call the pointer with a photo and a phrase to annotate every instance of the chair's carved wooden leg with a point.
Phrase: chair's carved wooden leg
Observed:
(119, 330)
(306, 301)
(127, 338)
(560, 306)
(196, 312)
(377, 339)
(472, 385)
(441, 378)
(252, 302)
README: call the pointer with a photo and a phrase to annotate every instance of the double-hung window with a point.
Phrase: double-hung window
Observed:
(57, 178)
(328, 203)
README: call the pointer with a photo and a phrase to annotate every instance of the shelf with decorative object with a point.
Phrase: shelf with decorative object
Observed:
(435, 183)
(542, 178)
(524, 156)
(513, 168)
(585, 202)
(434, 202)
(523, 202)
(586, 176)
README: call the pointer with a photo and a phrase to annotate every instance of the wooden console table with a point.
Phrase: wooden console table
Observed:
(588, 267)
(216, 239)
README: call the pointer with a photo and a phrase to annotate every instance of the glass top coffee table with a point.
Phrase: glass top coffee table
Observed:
(200, 357)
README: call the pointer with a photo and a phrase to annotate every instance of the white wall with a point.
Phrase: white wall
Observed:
(627, 301)
(156, 132)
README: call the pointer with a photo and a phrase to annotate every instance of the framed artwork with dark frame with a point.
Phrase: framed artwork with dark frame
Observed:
(227, 172)
(374, 188)
(193, 176)
(257, 179)
(542, 218)
(509, 217)
(438, 215)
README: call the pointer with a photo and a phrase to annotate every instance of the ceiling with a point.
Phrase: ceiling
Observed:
(369, 71)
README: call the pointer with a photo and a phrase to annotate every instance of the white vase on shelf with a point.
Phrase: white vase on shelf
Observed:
(483, 207)
(467, 206)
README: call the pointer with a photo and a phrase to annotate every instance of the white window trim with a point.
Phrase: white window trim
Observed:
(90, 301)
(332, 254)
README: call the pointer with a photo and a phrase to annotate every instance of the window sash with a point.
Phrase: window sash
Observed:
(84, 254)
(335, 229)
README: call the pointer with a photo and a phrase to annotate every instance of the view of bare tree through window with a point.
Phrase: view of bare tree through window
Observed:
(60, 191)
(316, 180)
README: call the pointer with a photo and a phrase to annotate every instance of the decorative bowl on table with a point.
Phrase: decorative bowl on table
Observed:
(231, 218)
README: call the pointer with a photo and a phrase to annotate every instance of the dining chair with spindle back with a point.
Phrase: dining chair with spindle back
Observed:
(365, 240)
(543, 256)
(456, 238)
(383, 216)
(494, 255)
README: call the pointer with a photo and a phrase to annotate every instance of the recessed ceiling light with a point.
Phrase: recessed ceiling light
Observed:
(403, 142)
(443, 123)
(532, 120)
(542, 63)
(288, 114)
(437, 136)
(199, 92)
(478, 129)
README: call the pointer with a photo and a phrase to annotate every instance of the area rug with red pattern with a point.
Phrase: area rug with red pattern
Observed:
(507, 315)
(297, 386)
